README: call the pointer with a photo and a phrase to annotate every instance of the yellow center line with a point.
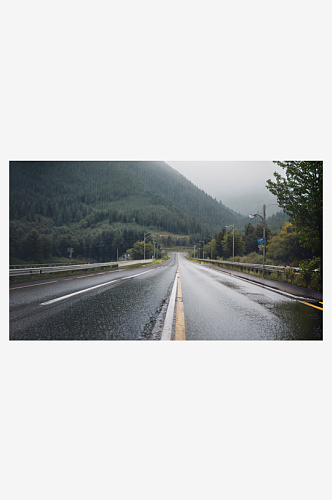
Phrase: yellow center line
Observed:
(321, 302)
(180, 330)
(311, 305)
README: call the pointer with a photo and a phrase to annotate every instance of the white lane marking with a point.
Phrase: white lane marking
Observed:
(75, 293)
(149, 271)
(167, 331)
(91, 288)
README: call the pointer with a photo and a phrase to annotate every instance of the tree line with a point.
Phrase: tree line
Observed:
(101, 209)
(300, 194)
(282, 247)
(94, 206)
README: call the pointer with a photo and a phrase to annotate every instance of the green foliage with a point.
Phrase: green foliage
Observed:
(276, 221)
(252, 258)
(105, 207)
(227, 245)
(35, 245)
(219, 239)
(300, 194)
(208, 249)
(285, 247)
(252, 234)
(309, 269)
(137, 252)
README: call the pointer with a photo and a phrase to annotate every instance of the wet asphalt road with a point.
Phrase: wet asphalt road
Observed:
(131, 305)
(221, 307)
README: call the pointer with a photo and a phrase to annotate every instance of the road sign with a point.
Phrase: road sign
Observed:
(261, 246)
(261, 240)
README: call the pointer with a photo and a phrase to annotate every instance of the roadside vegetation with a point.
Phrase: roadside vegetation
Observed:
(100, 209)
(299, 241)
(103, 212)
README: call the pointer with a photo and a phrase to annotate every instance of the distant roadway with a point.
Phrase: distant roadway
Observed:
(176, 299)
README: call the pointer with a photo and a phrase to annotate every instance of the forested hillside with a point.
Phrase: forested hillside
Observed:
(276, 221)
(101, 208)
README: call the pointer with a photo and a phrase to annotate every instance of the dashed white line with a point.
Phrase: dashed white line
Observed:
(92, 288)
(75, 293)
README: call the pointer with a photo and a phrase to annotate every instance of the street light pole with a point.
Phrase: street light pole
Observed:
(233, 226)
(264, 223)
(201, 241)
(154, 249)
(145, 235)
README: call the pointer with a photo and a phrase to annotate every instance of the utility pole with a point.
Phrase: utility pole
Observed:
(264, 224)
(201, 241)
(145, 235)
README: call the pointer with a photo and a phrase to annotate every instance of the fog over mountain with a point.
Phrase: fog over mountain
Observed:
(240, 185)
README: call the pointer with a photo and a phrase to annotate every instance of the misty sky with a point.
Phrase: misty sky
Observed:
(239, 185)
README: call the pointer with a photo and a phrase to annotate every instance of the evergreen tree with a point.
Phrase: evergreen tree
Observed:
(300, 194)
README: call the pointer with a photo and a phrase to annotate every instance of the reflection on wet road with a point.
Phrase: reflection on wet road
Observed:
(222, 307)
(131, 309)
(132, 304)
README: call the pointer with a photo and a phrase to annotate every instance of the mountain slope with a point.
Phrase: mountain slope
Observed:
(88, 199)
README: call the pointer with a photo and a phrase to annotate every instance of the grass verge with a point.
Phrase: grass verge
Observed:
(273, 276)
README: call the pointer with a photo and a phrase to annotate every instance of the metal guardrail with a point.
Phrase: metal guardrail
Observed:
(123, 263)
(25, 266)
(249, 266)
(28, 271)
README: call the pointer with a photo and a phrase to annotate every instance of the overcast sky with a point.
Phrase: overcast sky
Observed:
(239, 185)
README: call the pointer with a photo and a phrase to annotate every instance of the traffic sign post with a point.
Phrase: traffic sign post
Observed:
(70, 251)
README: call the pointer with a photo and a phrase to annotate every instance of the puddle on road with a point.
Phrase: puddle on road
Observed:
(248, 313)
(229, 284)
